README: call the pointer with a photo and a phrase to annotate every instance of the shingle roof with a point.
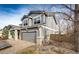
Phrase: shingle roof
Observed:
(25, 16)
(14, 27)
(36, 12)
(33, 12)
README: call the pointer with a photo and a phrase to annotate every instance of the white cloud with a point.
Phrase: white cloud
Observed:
(12, 18)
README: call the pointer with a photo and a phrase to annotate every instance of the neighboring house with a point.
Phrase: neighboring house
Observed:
(16, 30)
(36, 27)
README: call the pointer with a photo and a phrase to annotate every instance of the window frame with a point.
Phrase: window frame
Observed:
(25, 22)
(37, 20)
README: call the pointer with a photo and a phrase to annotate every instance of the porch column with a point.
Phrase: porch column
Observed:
(41, 35)
(9, 35)
(16, 35)
(20, 35)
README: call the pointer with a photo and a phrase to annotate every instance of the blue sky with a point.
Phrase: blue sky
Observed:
(12, 13)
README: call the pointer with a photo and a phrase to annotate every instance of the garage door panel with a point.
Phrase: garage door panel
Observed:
(29, 36)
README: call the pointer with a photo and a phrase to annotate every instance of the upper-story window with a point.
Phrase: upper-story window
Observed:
(25, 22)
(37, 20)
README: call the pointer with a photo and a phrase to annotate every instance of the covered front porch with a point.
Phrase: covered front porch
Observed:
(16, 34)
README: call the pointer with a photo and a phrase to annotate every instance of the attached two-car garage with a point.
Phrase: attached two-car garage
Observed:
(29, 36)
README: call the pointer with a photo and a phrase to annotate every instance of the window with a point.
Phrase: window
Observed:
(37, 20)
(25, 23)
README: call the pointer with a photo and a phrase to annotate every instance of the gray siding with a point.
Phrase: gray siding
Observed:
(51, 24)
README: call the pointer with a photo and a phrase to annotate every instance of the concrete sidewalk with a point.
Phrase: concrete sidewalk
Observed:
(17, 45)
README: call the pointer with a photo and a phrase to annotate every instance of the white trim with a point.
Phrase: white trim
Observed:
(49, 28)
(37, 16)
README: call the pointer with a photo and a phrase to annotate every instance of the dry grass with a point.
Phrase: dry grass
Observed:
(28, 50)
(62, 38)
(52, 48)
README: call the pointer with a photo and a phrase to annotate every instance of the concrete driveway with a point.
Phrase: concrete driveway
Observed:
(17, 45)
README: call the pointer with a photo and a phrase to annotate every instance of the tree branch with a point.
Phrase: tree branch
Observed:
(69, 8)
(66, 15)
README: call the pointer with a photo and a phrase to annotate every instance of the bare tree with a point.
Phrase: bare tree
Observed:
(76, 28)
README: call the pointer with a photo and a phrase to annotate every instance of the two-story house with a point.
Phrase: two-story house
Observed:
(37, 27)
